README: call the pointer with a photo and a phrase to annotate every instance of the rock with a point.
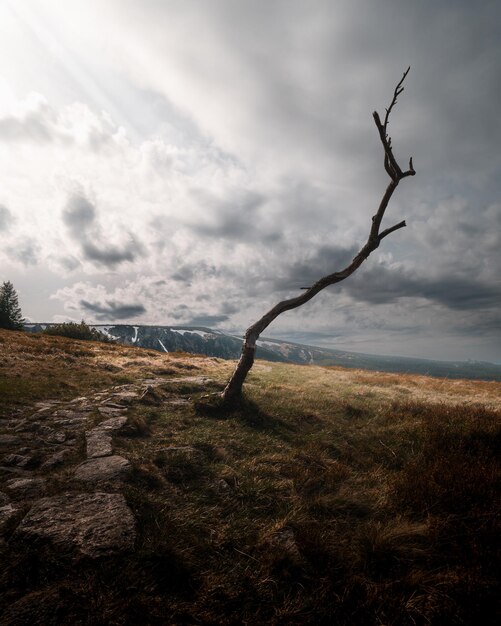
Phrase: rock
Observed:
(103, 468)
(68, 422)
(52, 436)
(4, 498)
(98, 444)
(92, 524)
(109, 411)
(80, 400)
(7, 512)
(126, 397)
(56, 459)
(18, 460)
(112, 424)
(26, 487)
(9, 440)
(70, 414)
(47, 403)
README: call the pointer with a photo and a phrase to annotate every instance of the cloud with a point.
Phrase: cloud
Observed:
(207, 320)
(6, 218)
(78, 215)
(110, 255)
(326, 260)
(80, 218)
(381, 285)
(111, 310)
(238, 215)
(35, 122)
(24, 250)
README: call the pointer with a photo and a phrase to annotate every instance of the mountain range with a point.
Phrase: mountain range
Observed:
(202, 340)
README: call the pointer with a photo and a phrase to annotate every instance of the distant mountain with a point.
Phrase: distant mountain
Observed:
(201, 340)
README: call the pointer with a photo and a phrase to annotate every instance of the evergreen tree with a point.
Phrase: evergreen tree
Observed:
(10, 311)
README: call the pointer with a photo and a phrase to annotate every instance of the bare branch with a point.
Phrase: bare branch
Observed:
(390, 230)
(234, 387)
(398, 90)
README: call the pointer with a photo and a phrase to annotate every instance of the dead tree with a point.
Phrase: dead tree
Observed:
(233, 389)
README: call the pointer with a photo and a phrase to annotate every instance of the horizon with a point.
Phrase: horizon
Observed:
(268, 338)
(210, 164)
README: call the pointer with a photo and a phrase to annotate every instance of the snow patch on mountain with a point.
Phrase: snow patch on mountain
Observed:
(106, 331)
(164, 348)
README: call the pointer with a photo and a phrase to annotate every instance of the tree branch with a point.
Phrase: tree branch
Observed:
(234, 387)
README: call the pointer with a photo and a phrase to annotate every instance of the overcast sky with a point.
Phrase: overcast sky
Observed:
(187, 162)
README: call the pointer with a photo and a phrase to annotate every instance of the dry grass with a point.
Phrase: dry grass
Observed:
(329, 496)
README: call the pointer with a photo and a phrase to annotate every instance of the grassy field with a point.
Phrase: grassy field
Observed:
(330, 496)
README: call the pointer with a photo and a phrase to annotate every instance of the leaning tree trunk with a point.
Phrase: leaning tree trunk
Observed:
(233, 389)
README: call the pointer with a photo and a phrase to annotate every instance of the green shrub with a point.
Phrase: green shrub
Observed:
(77, 331)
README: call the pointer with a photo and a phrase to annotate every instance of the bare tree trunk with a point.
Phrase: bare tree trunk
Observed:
(233, 389)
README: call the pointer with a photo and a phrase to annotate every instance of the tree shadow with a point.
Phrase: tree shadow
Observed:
(246, 411)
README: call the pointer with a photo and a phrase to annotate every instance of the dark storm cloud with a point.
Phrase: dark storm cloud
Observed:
(78, 215)
(381, 285)
(185, 273)
(207, 320)
(113, 310)
(234, 218)
(6, 218)
(326, 260)
(80, 218)
(109, 255)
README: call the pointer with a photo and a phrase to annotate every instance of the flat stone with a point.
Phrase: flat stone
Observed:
(126, 397)
(112, 424)
(109, 411)
(69, 422)
(103, 468)
(114, 405)
(7, 512)
(57, 437)
(70, 414)
(47, 403)
(17, 460)
(92, 524)
(51, 435)
(98, 444)
(26, 487)
(56, 459)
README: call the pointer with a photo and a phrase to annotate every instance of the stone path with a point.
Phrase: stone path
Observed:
(94, 519)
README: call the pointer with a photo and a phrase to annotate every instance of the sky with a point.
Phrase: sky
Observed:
(179, 162)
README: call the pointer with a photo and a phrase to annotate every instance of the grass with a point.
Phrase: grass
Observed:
(328, 496)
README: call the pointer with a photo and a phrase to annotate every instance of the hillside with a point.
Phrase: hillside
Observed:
(202, 340)
(330, 495)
